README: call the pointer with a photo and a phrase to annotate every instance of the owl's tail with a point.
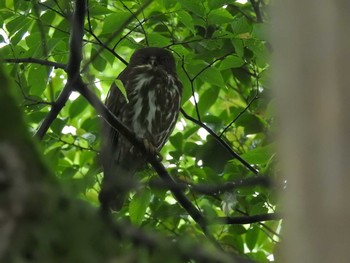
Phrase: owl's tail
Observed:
(116, 184)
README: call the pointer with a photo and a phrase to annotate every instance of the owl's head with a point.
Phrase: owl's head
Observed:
(154, 56)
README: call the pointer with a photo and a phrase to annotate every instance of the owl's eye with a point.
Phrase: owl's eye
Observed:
(164, 59)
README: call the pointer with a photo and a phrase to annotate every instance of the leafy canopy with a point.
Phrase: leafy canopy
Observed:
(221, 55)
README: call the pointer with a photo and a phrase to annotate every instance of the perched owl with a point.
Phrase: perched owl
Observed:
(151, 110)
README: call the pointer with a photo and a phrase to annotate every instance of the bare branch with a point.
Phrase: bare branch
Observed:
(116, 33)
(35, 61)
(214, 189)
(241, 220)
(238, 116)
(139, 22)
(257, 10)
(91, 31)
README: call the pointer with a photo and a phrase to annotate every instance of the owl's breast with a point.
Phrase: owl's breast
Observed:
(154, 102)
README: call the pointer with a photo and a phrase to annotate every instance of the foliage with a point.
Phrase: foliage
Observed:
(221, 55)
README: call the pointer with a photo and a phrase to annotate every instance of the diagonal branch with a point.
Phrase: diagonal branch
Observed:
(116, 33)
(221, 141)
(91, 31)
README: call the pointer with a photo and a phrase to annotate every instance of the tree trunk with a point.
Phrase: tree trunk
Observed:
(311, 79)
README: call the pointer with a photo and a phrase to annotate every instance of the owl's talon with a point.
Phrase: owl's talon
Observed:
(149, 147)
(159, 157)
(152, 150)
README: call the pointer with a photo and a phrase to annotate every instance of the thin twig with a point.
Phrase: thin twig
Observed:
(192, 89)
(116, 33)
(238, 116)
(214, 189)
(222, 142)
(90, 30)
(139, 22)
(257, 10)
(241, 220)
(35, 61)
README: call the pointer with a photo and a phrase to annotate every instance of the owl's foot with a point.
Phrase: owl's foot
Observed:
(152, 150)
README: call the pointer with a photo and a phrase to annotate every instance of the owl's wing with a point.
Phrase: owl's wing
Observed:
(115, 102)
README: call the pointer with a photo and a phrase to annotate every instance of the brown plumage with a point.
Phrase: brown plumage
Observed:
(154, 95)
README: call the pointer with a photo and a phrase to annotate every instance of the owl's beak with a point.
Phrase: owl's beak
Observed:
(152, 61)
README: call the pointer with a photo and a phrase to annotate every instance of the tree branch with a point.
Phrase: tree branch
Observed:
(35, 61)
(222, 142)
(90, 30)
(256, 7)
(238, 116)
(72, 69)
(116, 33)
(214, 189)
(241, 220)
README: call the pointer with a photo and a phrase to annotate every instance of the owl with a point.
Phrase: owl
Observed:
(150, 109)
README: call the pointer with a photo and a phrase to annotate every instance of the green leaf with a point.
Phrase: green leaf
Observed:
(207, 99)
(99, 62)
(157, 40)
(251, 123)
(239, 47)
(251, 237)
(169, 3)
(58, 125)
(37, 79)
(177, 140)
(259, 155)
(219, 16)
(122, 89)
(213, 4)
(138, 206)
(241, 25)
(77, 107)
(212, 76)
(231, 61)
(113, 21)
(98, 10)
(195, 6)
(186, 19)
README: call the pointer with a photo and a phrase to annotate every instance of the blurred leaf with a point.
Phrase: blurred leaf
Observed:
(259, 155)
(231, 61)
(122, 89)
(212, 76)
(219, 16)
(77, 107)
(213, 155)
(241, 25)
(99, 62)
(37, 79)
(195, 6)
(112, 21)
(252, 236)
(138, 206)
(187, 20)
(58, 125)
(207, 99)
